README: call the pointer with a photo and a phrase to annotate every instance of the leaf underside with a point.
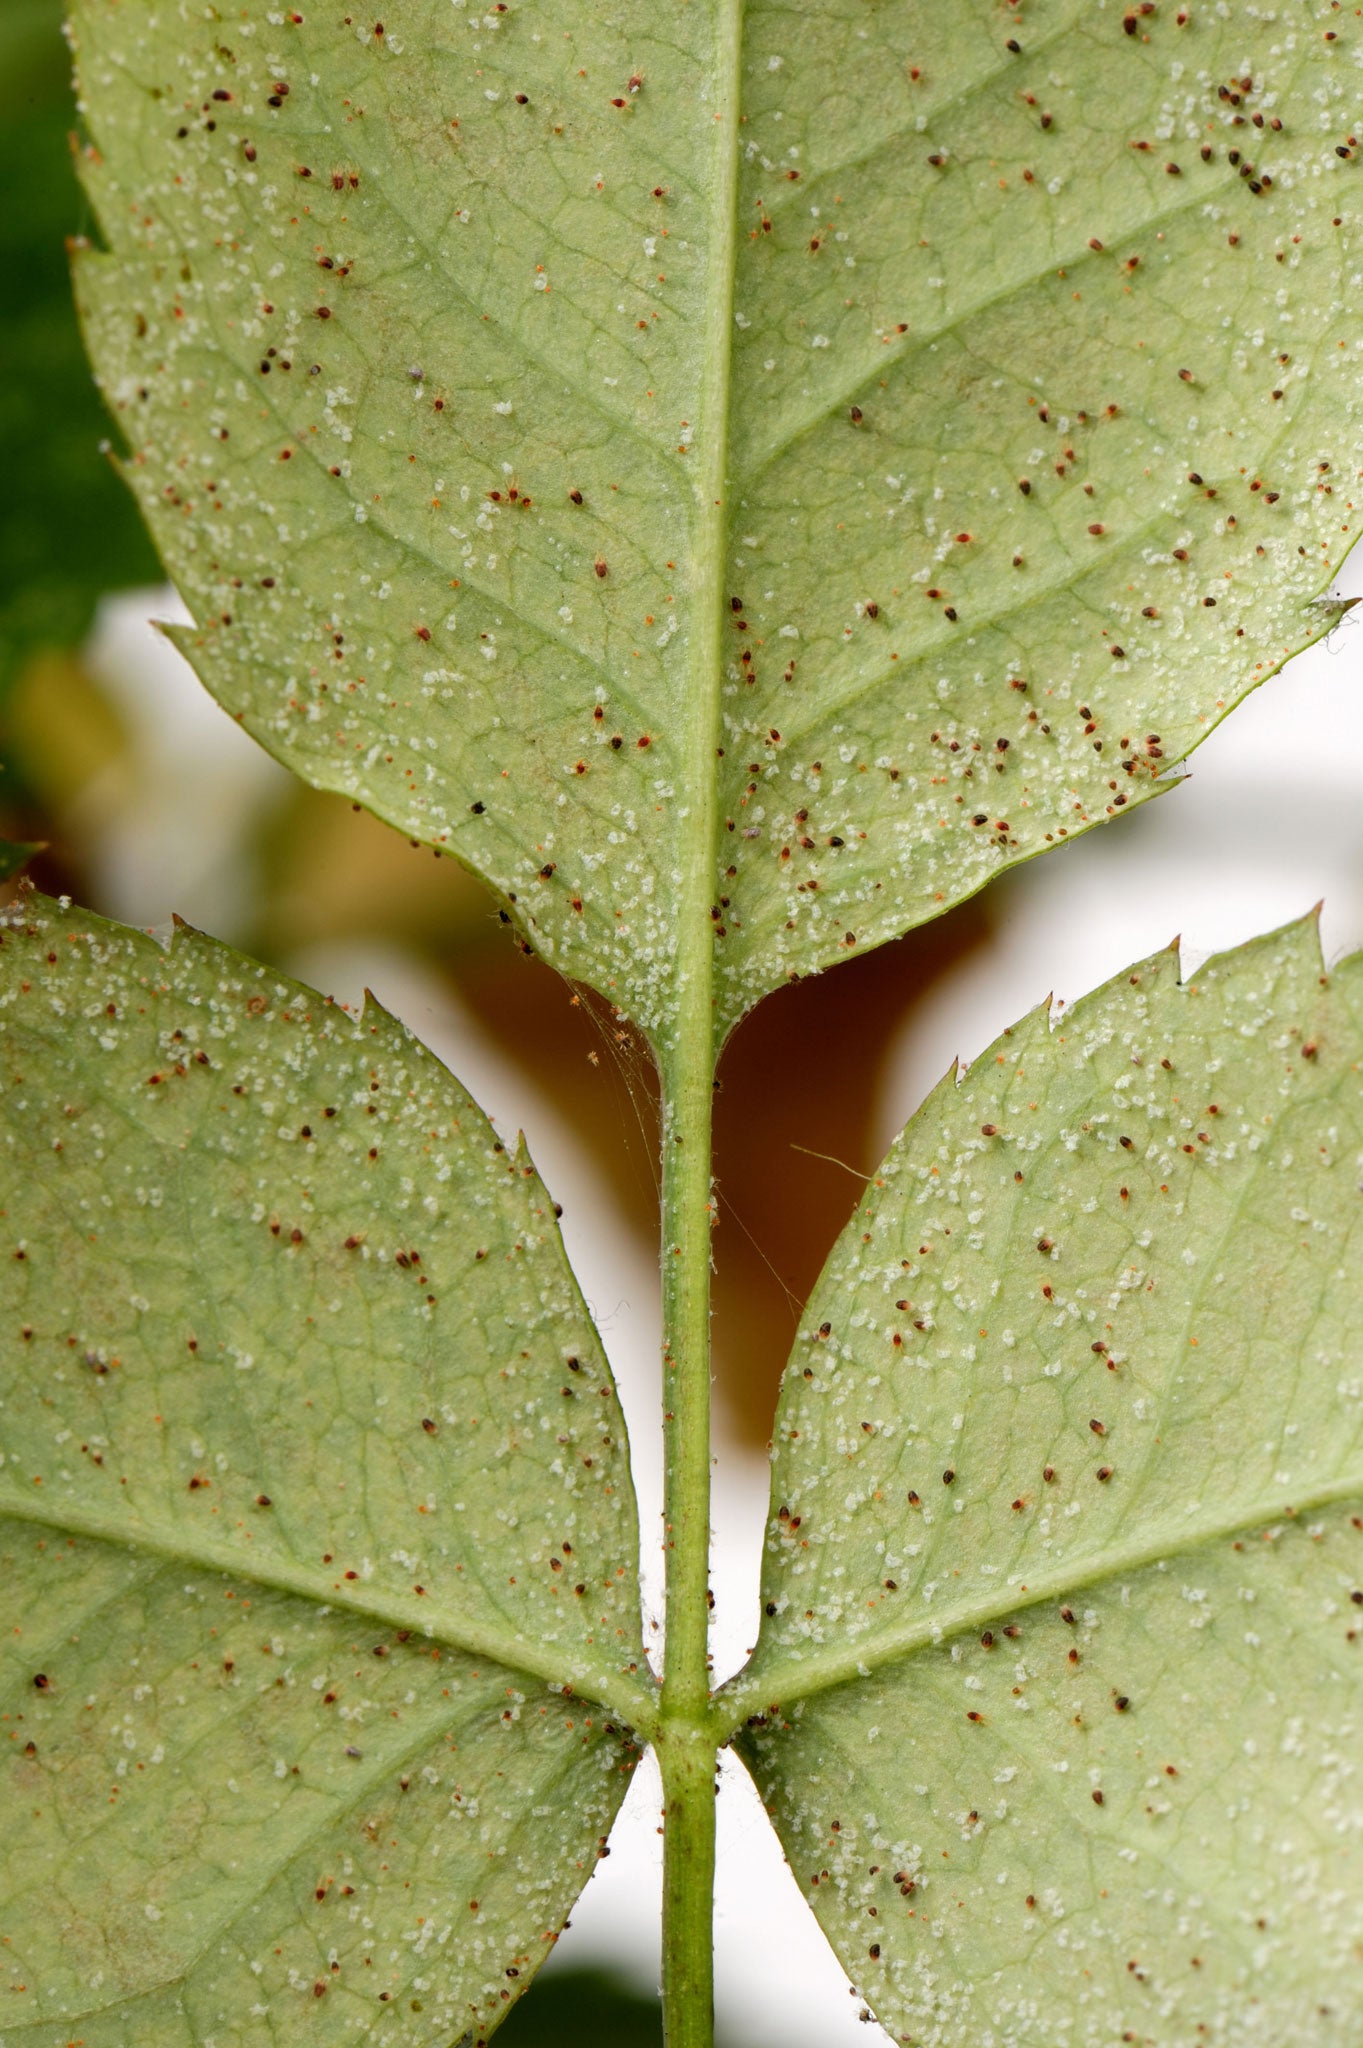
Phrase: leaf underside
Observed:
(313, 1482)
(1043, 392)
(1064, 1571)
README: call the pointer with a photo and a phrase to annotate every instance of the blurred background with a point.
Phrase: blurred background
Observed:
(148, 800)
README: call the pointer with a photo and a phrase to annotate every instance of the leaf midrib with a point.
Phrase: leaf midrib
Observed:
(795, 1678)
(692, 1022)
(617, 1691)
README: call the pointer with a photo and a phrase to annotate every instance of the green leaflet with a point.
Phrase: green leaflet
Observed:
(982, 402)
(67, 529)
(313, 1483)
(1060, 1691)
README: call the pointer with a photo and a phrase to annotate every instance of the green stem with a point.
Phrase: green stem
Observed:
(686, 1393)
(685, 1741)
(687, 1758)
(686, 1748)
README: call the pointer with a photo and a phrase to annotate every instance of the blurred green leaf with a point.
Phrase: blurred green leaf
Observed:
(14, 857)
(67, 530)
(583, 2009)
